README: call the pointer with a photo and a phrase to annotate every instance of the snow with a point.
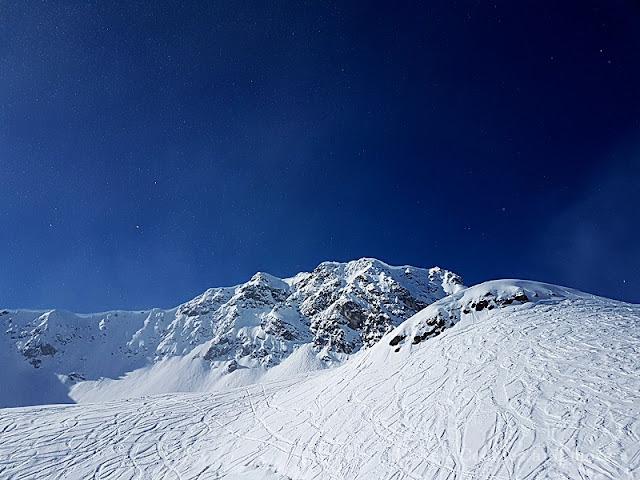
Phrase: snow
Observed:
(545, 384)
(23, 385)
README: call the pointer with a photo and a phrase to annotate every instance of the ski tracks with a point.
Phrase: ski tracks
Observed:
(512, 396)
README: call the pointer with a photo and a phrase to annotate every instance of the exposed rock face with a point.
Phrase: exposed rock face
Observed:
(338, 308)
(355, 304)
(471, 302)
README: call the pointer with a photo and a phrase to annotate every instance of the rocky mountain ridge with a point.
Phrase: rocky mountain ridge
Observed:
(338, 308)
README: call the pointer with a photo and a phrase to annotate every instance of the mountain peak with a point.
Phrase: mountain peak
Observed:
(337, 309)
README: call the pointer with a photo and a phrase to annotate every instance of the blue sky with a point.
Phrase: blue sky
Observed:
(149, 151)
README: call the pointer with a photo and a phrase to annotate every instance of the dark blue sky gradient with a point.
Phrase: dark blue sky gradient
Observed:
(152, 149)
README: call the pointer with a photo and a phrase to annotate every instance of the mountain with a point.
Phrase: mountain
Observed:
(507, 379)
(225, 337)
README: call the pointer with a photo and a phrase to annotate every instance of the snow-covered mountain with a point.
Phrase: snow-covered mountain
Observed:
(505, 380)
(224, 337)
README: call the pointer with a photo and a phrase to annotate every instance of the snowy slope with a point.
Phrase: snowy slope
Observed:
(223, 338)
(544, 384)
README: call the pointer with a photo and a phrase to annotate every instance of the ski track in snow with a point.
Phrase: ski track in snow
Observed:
(534, 391)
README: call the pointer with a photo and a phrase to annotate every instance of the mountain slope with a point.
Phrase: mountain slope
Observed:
(224, 337)
(545, 384)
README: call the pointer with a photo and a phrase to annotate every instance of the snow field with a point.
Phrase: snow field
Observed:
(545, 389)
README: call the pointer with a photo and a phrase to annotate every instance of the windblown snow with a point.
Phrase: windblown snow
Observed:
(508, 379)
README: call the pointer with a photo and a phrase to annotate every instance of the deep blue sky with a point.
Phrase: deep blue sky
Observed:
(152, 149)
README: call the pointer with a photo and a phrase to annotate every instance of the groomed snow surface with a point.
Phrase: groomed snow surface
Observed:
(544, 384)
